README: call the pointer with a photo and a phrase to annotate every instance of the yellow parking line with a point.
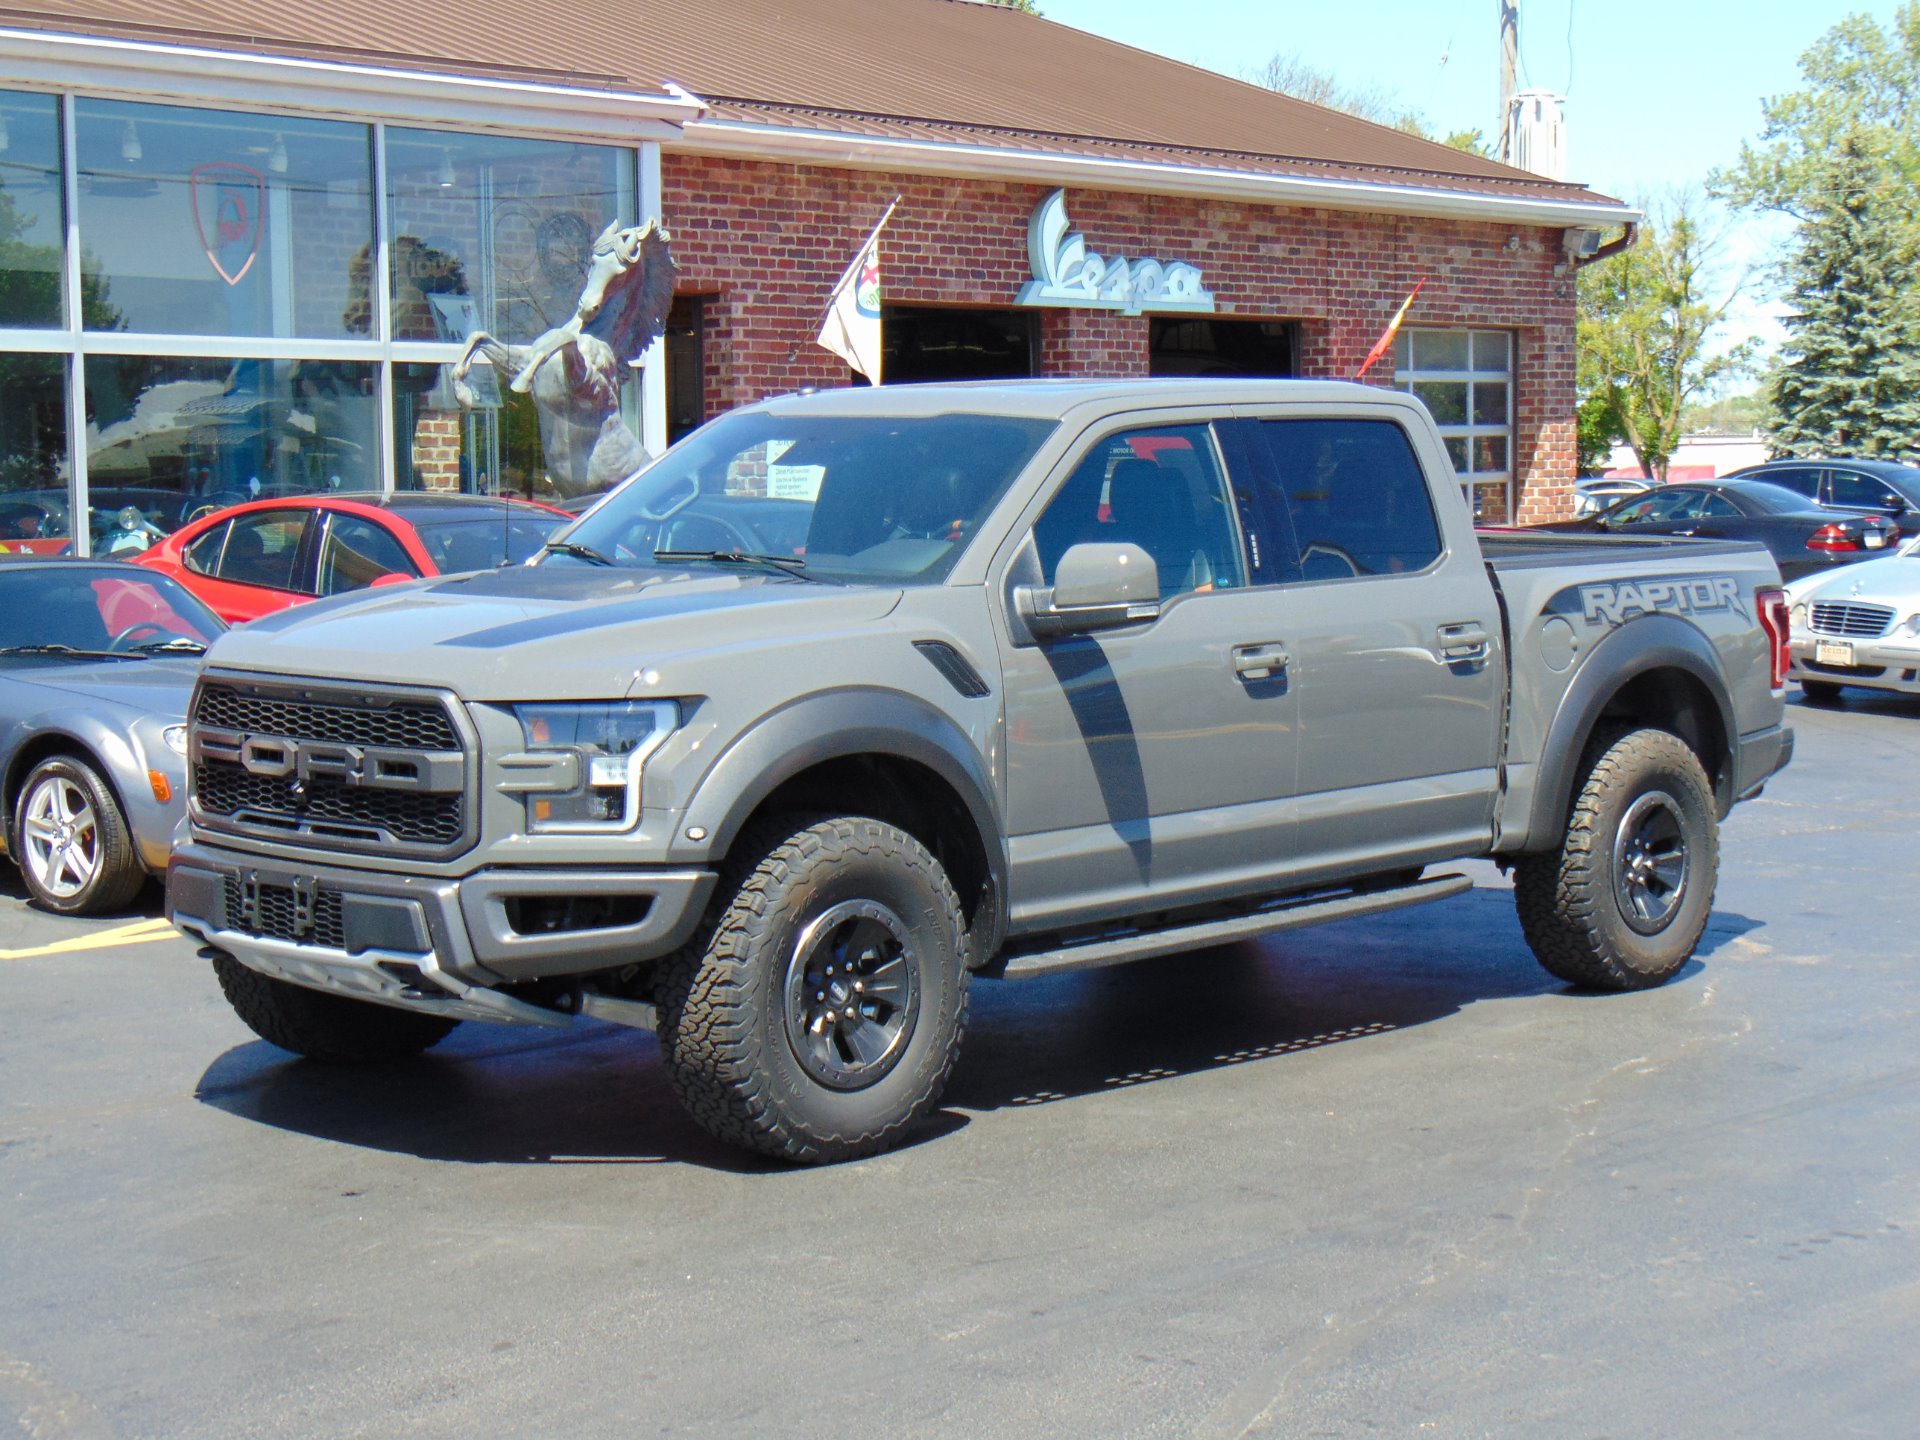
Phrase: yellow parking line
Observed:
(138, 933)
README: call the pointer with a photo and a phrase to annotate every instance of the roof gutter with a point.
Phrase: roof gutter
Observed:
(738, 139)
(184, 72)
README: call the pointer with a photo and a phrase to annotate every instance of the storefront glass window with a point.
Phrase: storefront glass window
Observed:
(490, 446)
(1465, 378)
(494, 233)
(33, 453)
(169, 439)
(32, 241)
(208, 222)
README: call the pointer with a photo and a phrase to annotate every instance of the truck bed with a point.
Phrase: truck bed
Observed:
(1507, 550)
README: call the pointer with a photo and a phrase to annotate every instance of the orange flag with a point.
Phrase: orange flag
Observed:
(1393, 328)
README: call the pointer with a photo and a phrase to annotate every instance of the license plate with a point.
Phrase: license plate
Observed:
(1874, 539)
(1833, 652)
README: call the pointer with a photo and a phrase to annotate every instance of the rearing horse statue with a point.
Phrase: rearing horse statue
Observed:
(575, 371)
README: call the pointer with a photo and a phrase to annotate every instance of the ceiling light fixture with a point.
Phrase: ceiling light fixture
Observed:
(446, 169)
(277, 157)
(130, 149)
(6, 140)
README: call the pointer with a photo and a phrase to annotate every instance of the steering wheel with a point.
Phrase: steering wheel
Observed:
(125, 637)
(1332, 551)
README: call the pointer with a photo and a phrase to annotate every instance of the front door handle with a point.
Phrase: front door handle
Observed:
(1465, 640)
(1259, 662)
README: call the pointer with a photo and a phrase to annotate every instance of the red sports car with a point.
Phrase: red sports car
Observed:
(253, 559)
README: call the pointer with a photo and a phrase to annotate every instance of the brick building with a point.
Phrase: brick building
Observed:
(291, 219)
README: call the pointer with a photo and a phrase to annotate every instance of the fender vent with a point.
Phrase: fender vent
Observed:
(952, 664)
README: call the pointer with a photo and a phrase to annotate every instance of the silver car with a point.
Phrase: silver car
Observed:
(1859, 625)
(97, 662)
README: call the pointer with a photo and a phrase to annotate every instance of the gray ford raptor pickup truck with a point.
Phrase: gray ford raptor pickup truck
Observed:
(853, 698)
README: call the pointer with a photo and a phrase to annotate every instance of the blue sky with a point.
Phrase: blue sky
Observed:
(1659, 92)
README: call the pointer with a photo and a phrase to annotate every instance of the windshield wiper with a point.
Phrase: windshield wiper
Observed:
(178, 645)
(791, 564)
(70, 651)
(576, 550)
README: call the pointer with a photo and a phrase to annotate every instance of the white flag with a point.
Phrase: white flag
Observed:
(852, 327)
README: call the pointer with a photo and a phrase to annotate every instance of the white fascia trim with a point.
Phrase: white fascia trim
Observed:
(738, 139)
(189, 73)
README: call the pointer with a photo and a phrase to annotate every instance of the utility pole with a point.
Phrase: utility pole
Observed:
(1509, 60)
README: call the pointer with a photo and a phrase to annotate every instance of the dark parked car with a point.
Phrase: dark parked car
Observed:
(1803, 536)
(1875, 487)
(97, 659)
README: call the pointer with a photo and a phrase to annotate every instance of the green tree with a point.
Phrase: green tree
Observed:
(1841, 158)
(1026, 5)
(1645, 327)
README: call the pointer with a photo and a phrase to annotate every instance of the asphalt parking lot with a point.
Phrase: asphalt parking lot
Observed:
(1379, 1178)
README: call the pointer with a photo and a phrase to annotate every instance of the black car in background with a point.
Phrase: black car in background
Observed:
(1865, 487)
(1803, 536)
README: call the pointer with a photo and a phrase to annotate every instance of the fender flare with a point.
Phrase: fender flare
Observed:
(835, 726)
(109, 751)
(1639, 647)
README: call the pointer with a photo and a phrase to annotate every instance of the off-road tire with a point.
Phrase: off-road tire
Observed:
(1820, 692)
(117, 875)
(725, 1000)
(330, 1028)
(1569, 900)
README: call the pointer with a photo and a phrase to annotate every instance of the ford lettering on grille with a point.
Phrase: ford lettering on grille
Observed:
(336, 773)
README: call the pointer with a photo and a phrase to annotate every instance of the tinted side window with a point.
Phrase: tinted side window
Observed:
(1161, 489)
(203, 555)
(1862, 492)
(1718, 507)
(356, 553)
(262, 547)
(1802, 481)
(1356, 494)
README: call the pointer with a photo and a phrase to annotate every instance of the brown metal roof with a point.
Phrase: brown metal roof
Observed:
(933, 66)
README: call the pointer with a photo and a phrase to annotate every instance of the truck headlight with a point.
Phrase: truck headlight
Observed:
(1797, 617)
(610, 740)
(176, 738)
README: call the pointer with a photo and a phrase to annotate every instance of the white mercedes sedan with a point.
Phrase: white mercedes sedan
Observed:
(1858, 625)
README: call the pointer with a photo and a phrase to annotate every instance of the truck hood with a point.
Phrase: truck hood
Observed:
(548, 632)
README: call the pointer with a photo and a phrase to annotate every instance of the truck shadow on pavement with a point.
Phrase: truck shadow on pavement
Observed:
(598, 1094)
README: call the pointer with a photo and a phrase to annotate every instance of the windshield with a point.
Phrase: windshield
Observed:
(886, 499)
(98, 608)
(483, 542)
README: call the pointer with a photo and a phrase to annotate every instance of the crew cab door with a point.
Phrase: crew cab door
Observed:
(1152, 763)
(1395, 637)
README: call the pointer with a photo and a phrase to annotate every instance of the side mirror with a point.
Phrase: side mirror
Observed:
(392, 577)
(1095, 587)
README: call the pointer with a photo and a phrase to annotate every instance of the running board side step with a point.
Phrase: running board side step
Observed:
(1110, 949)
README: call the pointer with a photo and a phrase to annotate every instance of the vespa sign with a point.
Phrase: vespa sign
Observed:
(1065, 272)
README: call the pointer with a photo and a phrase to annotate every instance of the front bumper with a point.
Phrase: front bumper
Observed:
(439, 946)
(1880, 664)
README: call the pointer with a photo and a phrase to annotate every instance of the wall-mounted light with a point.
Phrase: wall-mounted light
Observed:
(130, 149)
(446, 169)
(277, 157)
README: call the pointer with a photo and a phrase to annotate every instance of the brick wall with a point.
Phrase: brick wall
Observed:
(764, 244)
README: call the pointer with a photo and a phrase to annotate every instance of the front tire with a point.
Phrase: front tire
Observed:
(325, 1027)
(1623, 902)
(818, 1014)
(74, 848)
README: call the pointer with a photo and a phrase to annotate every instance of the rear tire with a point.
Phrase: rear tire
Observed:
(325, 1027)
(1623, 902)
(819, 1011)
(1820, 692)
(74, 849)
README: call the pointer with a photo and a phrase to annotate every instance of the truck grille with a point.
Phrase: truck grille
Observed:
(284, 912)
(1840, 617)
(309, 765)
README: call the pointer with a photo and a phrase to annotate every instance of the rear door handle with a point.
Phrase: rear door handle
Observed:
(1465, 640)
(1259, 662)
